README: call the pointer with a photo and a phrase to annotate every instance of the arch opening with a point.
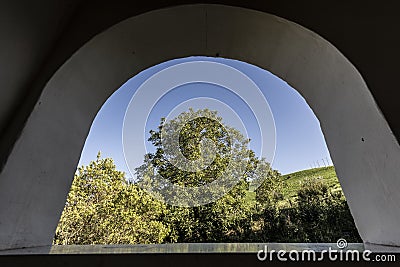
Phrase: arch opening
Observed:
(301, 155)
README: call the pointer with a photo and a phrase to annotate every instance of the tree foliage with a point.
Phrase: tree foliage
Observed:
(226, 218)
(103, 207)
(318, 214)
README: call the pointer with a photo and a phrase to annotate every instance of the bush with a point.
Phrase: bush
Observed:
(103, 208)
(316, 215)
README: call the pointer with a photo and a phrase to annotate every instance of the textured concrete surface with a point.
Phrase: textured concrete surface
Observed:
(180, 248)
(37, 175)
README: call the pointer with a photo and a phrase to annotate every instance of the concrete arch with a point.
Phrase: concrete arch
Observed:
(362, 146)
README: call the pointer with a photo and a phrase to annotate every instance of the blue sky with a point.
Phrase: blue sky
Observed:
(299, 140)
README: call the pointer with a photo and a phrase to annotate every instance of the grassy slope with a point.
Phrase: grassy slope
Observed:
(293, 181)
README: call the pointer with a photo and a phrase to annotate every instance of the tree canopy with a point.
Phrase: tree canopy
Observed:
(103, 207)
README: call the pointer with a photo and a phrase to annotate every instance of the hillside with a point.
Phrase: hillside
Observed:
(292, 181)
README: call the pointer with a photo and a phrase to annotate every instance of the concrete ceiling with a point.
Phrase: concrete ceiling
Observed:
(38, 36)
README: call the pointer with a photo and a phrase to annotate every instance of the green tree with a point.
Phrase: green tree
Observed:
(323, 214)
(229, 217)
(270, 188)
(104, 208)
(317, 214)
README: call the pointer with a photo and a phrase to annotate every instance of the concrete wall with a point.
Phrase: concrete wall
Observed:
(361, 144)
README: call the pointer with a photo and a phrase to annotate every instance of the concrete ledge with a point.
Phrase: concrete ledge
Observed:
(381, 248)
(177, 248)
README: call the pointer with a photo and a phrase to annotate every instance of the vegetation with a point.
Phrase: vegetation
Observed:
(104, 208)
(294, 181)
